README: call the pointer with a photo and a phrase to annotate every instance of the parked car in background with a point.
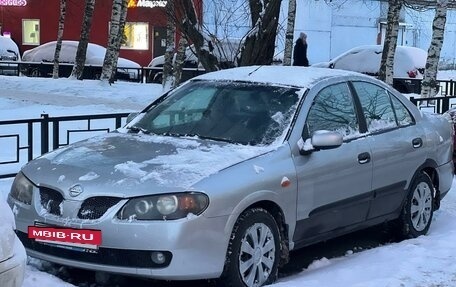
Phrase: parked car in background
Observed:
(9, 52)
(225, 50)
(409, 65)
(12, 252)
(232, 170)
(127, 69)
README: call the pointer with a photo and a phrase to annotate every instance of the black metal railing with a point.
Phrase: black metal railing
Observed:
(48, 133)
(438, 105)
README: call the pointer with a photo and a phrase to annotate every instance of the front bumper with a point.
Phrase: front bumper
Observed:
(127, 245)
(12, 270)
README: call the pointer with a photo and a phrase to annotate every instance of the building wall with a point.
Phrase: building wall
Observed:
(47, 11)
(336, 26)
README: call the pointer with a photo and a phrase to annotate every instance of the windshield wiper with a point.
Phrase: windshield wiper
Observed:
(137, 129)
(201, 137)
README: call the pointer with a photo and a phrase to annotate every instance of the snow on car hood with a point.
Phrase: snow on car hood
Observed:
(136, 164)
(7, 235)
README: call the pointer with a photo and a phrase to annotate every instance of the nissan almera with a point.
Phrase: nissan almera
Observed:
(223, 176)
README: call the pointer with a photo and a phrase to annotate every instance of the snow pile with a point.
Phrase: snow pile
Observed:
(8, 44)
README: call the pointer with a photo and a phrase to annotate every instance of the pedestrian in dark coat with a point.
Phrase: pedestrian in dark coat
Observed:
(300, 51)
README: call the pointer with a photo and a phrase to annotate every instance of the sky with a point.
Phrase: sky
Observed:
(421, 262)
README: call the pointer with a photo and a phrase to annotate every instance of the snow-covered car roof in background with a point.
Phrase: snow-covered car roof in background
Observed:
(8, 44)
(95, 54)
(367, 59)
(302, 77)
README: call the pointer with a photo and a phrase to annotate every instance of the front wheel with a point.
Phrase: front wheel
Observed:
(417, 212)
(254, 250)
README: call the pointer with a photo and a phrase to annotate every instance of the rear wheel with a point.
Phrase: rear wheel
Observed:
(417, 212)
(254, 250)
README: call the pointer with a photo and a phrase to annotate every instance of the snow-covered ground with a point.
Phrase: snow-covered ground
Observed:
(422, 262)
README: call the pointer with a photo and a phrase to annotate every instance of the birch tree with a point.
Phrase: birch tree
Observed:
(123, 19)
(58, 45)
(114, 29)
(179, 63)
(429, 85)
(389, 47)
(168, 79)
(81, 53)
(290, 32)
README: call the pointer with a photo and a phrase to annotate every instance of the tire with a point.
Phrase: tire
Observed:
(253, 251)
(416, 216)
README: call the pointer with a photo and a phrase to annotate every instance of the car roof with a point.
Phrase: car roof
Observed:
(302, 77)
(367, 59)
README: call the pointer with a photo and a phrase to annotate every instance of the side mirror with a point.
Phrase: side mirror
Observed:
(322, 139)
(131, 116)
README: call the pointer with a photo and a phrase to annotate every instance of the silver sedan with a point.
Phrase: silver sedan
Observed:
(226, 174)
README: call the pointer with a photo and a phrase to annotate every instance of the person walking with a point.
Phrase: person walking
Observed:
(300, 51)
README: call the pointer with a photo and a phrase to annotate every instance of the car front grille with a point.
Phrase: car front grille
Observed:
(95, 207)
(50, 200)
(105, 256)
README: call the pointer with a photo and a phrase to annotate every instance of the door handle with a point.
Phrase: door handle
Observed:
(364, 157)
(417, 142)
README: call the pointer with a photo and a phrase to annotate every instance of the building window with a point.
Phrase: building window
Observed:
(136, 36)
(30, 32)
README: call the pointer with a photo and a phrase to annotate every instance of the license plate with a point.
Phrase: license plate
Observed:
(70, 237)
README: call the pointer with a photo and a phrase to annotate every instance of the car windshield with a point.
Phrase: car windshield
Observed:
(244, 113)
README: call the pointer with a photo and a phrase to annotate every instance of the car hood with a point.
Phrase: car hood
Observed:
(125, 164)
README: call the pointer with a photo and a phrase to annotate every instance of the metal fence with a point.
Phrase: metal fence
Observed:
(23, 140)
(93, 72)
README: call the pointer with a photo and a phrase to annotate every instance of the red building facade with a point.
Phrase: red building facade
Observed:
(34, 22)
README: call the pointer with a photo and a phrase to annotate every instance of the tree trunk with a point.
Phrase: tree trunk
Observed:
(168, 79)
(389, 47)
(179, 63)
(190, 27)
(123, 19)
(80, 59)
(112, 40)
(429, 85)
(290, 33)
(58, 45)
(259, 45)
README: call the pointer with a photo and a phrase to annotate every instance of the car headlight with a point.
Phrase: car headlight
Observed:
(22, 189)
(164, 206)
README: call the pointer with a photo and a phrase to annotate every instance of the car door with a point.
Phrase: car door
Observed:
(396, 143)
(333, 184)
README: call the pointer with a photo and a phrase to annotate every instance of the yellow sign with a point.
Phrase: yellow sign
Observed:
(146, 3)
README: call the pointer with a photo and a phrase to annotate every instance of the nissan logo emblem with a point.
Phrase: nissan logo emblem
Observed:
(76, 190)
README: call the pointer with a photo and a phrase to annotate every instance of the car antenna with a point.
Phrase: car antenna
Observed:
(264, 65)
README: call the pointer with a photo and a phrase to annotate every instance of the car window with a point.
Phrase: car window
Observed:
(189, 109)
(376, 105)
(403, 115)
(245, 113)
(333, 110)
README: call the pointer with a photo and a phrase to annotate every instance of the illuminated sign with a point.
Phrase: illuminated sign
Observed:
(146, 3)
(13, 2)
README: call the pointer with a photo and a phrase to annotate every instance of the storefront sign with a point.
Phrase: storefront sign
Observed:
(146, 3)
(13, 2)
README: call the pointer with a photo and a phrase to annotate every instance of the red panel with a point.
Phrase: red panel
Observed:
(48, 14)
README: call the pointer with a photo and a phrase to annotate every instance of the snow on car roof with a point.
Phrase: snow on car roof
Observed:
(281, 75)
(367, 59)
(7, 44)
(95, 54)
